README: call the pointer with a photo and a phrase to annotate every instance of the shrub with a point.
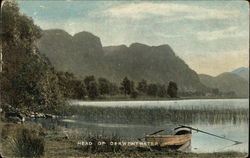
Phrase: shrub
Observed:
(134, 94)
(27, 142)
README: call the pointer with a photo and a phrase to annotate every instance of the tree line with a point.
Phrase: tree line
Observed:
(92, 88)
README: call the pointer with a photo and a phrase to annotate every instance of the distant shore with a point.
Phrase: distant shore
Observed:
(123, 98)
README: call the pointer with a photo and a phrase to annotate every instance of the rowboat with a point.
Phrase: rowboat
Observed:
(180, 141)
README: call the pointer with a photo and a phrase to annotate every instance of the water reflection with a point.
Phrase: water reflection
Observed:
(206, 143)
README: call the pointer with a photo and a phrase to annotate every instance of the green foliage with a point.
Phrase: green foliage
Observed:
(172, 89)
(70, 86)
(91, 86)
(157, 64)
(104, 86)
(88, 79)
(78, 89)
(132, 87)
(152, 89)
(142, 86)
(161, 91)
(113, 89)
(28, 143)
(64, 83)
(134, 94)
(93, 92)
(36, 85)
(8, 108)
(17, 28)
(215, 91)
(127, 86)
(28, 79)
(226, 82)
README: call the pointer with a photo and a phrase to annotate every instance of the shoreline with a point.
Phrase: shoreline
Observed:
(149, 99)
(64, 145)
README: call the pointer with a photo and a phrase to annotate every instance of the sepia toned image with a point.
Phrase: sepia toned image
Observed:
(133, 78)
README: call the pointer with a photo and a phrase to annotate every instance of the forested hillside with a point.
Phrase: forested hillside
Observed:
(227, 83)
(83, 55)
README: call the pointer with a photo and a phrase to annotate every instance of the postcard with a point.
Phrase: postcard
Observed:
(134, 78)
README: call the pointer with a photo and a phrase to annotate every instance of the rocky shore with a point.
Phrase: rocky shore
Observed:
(15, 115)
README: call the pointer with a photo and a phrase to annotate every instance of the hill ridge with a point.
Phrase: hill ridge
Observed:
(85, 55)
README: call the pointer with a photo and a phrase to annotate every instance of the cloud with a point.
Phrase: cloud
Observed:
(192, 31)
(230, 32)
(165, 35)
(146, 9)
(203, 14)
(42, 6)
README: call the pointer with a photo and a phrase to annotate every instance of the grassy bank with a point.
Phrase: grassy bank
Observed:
(61, 142)
(160, 115)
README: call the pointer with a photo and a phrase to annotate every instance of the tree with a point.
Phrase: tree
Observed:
(161, 92)
(28, 79)
(104, 86)
(142, 86)
(113, 89)
(35, 85)
(93, 90)
(126, 86)
(91, 86)
(78, 89)
(70, 86)
(172, 89)
(215, 91)
(134, 94)
(132, 87)
(152, 89)
(88, 79)
(66, 84)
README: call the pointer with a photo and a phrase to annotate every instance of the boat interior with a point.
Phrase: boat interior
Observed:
(183, 131)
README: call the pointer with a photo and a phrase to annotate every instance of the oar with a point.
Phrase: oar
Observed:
(157, 132)
(183, 126)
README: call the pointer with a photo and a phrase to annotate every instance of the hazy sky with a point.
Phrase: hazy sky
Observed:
(210, 36)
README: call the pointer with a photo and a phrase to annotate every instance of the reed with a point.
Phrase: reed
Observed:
(158, 115)
(25, 140)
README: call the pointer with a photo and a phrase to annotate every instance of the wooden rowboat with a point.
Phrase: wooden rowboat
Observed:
(181, 140)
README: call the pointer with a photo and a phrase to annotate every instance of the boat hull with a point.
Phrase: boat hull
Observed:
(168, 140)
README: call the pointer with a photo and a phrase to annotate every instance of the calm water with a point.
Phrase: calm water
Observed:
(200, 142)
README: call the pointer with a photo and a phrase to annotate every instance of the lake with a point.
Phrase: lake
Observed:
(133, 119)
(191, 103)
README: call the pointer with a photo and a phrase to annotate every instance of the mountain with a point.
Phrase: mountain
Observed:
(227, 82)
(242, 72)
(80, 54)
(83, 54)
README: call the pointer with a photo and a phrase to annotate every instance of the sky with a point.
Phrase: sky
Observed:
(210, 36)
